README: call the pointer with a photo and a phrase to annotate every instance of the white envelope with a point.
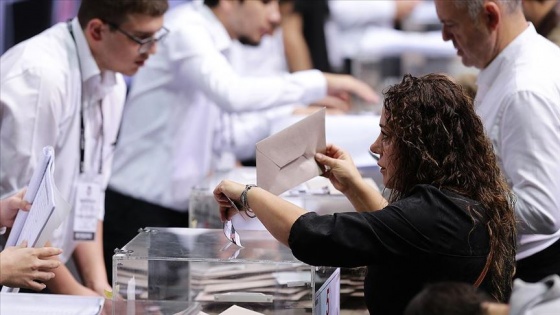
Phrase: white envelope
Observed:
(287, 158)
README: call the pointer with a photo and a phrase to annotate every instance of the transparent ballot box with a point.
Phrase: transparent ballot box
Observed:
(148, 307)
(202, 266)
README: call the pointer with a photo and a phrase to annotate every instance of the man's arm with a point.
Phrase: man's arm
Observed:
(529, 145)
(31, 112)
(88, 257)
(65, 283)
(297, 53)
(199, 63)
(89, 261)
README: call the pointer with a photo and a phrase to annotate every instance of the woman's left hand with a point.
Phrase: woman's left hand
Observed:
(10, 207)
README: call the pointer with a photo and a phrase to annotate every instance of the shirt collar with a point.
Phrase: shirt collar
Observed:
(90, 72)
(220, 35)
(508, 54)
(88, 65)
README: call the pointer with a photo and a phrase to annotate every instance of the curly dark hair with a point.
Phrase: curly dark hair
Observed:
(440, 140)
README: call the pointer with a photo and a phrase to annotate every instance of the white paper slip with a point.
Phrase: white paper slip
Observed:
(37, 303)
(238, 310)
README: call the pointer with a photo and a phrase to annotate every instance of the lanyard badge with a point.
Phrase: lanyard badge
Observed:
(88, 188)
(86, 208)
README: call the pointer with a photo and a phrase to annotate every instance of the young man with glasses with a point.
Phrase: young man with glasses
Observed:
(64, 88)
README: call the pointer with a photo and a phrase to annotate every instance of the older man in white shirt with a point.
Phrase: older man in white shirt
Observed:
(62, 88)
(518, 100)
(172, 118)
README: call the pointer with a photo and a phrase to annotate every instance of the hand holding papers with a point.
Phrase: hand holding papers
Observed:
(287, 159)
(47, 211)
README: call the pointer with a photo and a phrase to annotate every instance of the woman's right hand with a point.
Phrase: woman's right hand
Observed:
(340, 168)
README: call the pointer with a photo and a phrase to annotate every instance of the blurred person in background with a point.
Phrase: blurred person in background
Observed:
(541, 298)
(545, 15)
(518, 100)
(314, 31)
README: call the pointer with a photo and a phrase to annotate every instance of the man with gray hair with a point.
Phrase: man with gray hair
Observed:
(518, 100)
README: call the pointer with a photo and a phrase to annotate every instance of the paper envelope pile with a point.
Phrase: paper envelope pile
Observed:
(287, 158)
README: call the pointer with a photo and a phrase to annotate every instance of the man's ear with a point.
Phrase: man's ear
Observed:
(94, 29)
(492, 15)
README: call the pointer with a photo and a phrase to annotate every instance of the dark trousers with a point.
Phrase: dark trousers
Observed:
(124, 215)
(537, 266)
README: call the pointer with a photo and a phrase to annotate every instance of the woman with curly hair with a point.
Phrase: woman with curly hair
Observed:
(449, 216)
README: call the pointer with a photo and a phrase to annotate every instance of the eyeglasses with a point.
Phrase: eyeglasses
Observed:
(145, 43)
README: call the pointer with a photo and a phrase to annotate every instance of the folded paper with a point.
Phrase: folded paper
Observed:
(287, 158)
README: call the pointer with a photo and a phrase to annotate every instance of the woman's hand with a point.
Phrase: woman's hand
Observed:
(21, 267)
(340, 168)
(10, 206)
(344, 176)
(226, 193)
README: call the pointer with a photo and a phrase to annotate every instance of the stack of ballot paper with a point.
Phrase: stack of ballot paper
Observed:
(352, 283)
(251, 283)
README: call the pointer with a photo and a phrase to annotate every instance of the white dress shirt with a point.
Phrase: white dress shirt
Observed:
(173, 110)
(358, 14)
(365, 30)
(350, 21)
(519, 102)
(264, 60)
(42, 80)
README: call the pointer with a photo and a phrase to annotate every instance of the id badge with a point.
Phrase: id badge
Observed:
(86, 209)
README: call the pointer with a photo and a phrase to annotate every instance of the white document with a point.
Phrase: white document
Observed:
(37, 303)
(47, 212)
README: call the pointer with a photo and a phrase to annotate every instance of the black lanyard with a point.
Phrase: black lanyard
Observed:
(82, 124)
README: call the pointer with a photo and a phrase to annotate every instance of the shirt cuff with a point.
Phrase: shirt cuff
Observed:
(315, 85)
